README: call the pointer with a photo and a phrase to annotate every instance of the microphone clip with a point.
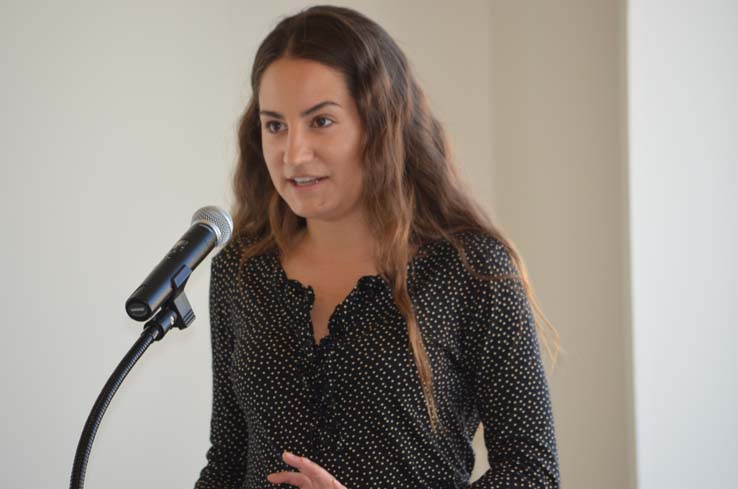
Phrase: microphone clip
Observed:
(176, 312)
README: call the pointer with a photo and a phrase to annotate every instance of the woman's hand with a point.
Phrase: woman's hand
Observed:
(310, 475)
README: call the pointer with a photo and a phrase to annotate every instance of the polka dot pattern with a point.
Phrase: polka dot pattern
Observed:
(353, 403)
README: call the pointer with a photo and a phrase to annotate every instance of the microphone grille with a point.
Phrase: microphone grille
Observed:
(218, 219)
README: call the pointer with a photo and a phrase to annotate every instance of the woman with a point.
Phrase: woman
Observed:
(367, 315)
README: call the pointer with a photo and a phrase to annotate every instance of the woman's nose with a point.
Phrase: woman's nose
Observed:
(299, 148)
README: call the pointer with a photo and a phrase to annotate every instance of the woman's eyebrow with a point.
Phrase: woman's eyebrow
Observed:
(304, 113)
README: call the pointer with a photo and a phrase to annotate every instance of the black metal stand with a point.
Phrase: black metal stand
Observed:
(176, 312)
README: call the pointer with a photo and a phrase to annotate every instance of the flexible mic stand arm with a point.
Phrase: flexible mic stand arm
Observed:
(176, 312)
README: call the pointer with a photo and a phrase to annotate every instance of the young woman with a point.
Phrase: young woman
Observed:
(367, 315)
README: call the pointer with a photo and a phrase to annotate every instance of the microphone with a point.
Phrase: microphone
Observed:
(211, 227)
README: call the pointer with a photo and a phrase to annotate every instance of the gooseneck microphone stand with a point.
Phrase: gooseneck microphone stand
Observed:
(161, 302)
(174, 313)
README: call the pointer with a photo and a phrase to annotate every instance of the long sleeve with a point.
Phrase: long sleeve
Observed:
(226, 458)
(509, 383)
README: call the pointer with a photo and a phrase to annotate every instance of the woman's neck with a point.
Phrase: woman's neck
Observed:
(348, 241)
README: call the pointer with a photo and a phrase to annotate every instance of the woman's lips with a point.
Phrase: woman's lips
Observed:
(307, 186)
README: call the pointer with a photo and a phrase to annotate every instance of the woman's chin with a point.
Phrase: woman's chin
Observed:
(307, 213)
(315, 214)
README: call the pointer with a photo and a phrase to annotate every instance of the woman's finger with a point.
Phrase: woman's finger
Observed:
(315, 472)
(292, 478)
(320, 477)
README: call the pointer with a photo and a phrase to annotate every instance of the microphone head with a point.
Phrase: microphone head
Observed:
(218, 220)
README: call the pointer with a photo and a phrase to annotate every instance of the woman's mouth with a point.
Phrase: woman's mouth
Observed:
(306, 182)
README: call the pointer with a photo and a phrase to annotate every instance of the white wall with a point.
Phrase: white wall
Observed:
(684, 202)
(118, 121)
(117, 124)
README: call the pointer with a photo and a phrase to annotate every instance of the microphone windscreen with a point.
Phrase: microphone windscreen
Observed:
(218, 219)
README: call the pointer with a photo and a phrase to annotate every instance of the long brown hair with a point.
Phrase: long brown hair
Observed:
(412, 192)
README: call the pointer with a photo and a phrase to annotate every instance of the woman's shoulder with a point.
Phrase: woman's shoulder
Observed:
(468, 255)
(487, 254)
(229, 257)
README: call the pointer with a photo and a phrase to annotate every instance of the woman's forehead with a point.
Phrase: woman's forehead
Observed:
(298, 84)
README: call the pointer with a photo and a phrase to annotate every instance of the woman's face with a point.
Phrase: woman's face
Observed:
(310, 127)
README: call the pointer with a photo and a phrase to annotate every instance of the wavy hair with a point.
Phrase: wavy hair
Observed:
(412, 192)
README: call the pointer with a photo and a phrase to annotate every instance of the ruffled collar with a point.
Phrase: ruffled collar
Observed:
(296, 291)
(368, 289)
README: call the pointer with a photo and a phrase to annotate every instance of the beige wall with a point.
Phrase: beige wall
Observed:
(560, 186)
(119, 122)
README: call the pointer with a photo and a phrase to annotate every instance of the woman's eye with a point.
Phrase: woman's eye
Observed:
(272, 126)
(323, 121)
(276, 126)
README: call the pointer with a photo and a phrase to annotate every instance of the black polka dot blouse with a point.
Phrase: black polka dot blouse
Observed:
(353, 403)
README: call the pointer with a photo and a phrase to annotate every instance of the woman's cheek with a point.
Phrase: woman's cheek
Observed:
(272, 166)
